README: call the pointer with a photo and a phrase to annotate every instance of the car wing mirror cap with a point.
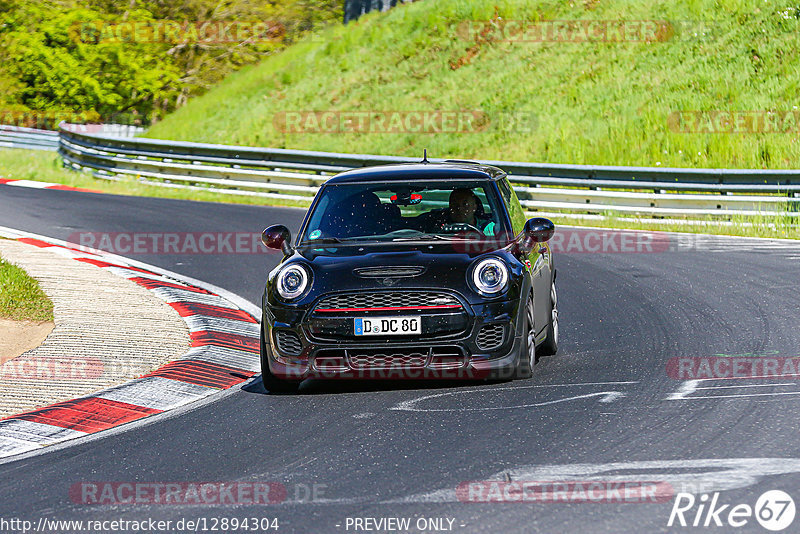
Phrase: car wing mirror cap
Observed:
(537, 230)
(277, 237)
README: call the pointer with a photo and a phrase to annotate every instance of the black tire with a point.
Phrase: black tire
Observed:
(272, 383)
(549, 346)
(527, 350)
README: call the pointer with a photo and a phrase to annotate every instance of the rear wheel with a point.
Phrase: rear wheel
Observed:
(272, 383)
(527, 352)
(550, 344)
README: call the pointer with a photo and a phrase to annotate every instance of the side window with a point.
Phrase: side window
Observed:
(515, 212)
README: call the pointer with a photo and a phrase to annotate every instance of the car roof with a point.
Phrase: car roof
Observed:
(410, 172)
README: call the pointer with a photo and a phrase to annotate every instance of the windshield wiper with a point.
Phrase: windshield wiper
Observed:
(322, 241)
(425, 237)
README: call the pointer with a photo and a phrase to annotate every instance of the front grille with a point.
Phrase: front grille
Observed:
(288, 342)
(392, 272)
(387, 300)
(490, 336)
(384, 359)
(439, 357)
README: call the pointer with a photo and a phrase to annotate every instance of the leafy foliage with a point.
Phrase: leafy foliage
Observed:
(50, 63)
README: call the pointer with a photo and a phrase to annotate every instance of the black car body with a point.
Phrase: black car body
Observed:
(388, 279)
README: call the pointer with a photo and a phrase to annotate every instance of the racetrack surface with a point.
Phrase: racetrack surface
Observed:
(382, 450)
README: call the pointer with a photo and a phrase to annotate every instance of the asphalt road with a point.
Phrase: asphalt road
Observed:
(401, 449)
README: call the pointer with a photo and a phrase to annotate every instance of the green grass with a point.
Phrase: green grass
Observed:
(44, 166)
(21, 298)
(770, 227)
(595, 103)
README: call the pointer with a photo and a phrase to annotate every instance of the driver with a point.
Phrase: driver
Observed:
(463, 209)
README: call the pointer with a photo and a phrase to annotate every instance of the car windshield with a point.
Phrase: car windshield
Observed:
(403, 212)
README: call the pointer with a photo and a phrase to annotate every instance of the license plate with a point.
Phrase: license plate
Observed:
(387, 326)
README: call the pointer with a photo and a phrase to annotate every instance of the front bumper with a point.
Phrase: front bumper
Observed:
(455, 349)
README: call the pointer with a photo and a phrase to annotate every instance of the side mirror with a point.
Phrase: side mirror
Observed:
(539, 229)
(277, 237)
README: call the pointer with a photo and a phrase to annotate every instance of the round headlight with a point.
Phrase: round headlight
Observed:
(490, 276)
(292, 281)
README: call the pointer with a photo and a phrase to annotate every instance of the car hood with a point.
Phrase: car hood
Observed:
(388, 266)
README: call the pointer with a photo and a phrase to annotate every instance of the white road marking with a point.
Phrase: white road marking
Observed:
(689, 387)
(773, 394)
(750, 386)
(686, 389)
(711, 475)
(606, 396)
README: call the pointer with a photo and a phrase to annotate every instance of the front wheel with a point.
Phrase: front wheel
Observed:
(550, 344)
(272, 383)
(527, 352)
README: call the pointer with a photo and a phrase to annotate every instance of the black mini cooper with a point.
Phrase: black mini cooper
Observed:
(410, 271)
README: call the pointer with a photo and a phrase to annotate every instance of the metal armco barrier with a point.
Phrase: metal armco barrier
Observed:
(553, 188)
(296, 175)
(29, 138)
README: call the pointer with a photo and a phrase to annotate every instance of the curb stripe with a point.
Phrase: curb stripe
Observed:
(203, 374)
(225, 356)
(101, 263)
(35, 242)
(223, 353)
(222, 339)
(88, 414)
(124, 272)
(169, 294)
(35, 184)
(60, 187)
(199, 323)
(37, 432)
(157, 393)
(186, 309)
(10, 446)
(152, 284)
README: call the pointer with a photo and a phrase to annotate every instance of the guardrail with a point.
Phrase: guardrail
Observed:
(29, 138)
(552, 188)
(296, 175)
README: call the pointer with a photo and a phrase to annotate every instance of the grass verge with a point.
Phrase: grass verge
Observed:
(21, 298)
(563, 99)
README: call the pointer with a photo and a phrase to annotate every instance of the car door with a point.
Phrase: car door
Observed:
(538, 258)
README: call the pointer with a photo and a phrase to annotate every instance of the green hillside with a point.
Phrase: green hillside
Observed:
(575, 101)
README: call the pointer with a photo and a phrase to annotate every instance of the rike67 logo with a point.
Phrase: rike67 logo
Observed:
(774, 510)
